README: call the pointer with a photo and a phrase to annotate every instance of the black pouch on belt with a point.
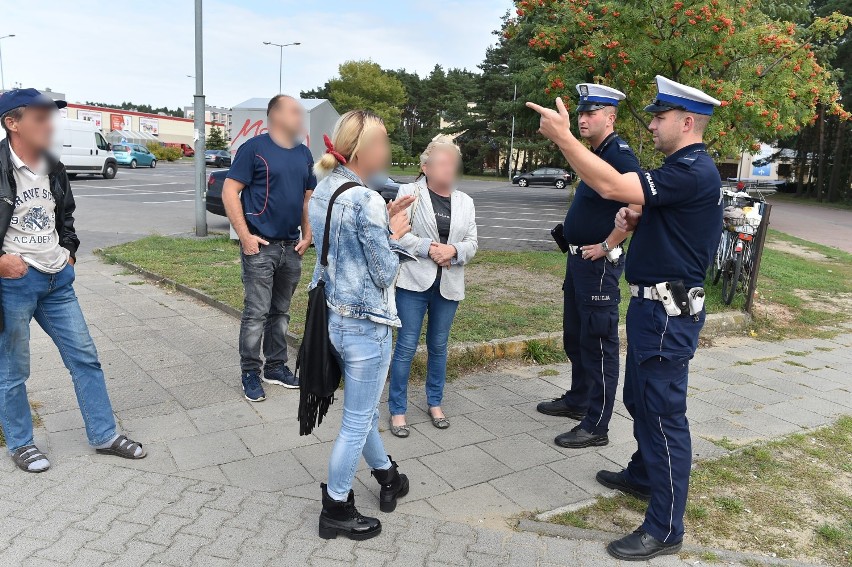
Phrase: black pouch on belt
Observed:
(558, 234)
(680, 295)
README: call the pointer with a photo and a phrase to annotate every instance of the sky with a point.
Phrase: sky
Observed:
(143, 50)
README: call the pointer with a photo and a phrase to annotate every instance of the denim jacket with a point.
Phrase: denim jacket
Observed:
(363, 262)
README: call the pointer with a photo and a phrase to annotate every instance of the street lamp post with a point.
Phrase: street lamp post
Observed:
(200, 142)
(2, 78)
(281, 47)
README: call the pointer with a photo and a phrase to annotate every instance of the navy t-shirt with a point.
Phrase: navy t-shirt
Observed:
(275, 180)
(681, 221)
(590, 217)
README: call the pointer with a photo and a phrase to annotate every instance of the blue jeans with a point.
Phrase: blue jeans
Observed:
(51, 300)
(412, 306)
(363, 350)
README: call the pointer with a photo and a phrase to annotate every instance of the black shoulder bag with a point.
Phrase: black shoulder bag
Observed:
(316, 365)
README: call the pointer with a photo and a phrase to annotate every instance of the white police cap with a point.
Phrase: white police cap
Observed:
(675, 96)
(594, 97)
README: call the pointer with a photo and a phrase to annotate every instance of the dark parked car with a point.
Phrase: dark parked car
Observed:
(559, 178)
(214, 192)
(216, 180)
(387, 190)
(218, 158)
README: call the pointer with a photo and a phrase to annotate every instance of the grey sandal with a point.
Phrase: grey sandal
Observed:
(124, 448)
(401, 431)
(27, 456)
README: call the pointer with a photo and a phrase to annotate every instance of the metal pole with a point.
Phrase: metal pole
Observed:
(759, 244)
(200, 143)
(280, 66)
(512, 143)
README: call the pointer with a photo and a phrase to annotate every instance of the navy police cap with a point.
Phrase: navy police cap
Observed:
(595, 97)
(16, 98)
(676, 96)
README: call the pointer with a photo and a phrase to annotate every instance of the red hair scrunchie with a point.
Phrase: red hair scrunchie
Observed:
(329, 148)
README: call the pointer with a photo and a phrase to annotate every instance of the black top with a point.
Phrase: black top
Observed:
(441, 206)
(681, 222)
(590, 217)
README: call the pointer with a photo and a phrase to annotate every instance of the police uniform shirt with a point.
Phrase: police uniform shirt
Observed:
(681, 222)
(590, 218)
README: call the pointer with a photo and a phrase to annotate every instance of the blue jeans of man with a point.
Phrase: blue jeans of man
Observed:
(50, 299)
(363, 349)
(590, 337)
(655, 385)
(269, 278)
(412, 307)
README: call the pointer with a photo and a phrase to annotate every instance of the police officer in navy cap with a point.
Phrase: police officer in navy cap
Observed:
(675, 237)
(591, 292)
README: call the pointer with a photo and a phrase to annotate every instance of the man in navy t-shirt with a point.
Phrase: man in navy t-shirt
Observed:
(266, 196)
(675, 237)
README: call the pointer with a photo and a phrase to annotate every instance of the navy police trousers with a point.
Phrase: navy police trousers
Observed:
(656, 376)
(590, 337)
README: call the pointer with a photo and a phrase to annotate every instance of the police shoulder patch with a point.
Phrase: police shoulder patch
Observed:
(687, 160)
(624, 147)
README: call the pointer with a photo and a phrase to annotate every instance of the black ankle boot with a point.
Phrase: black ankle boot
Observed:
(342, 518)
(393, 484)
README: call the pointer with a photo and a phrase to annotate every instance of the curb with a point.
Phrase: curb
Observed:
(716, 324)
(570, 532)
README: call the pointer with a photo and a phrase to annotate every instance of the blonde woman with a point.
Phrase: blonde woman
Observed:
(443, 237)
(363, 261)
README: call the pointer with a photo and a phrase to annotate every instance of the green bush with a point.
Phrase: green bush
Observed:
(165, 153)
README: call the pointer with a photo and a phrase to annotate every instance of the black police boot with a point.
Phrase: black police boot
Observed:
(342, 518)
(641, 546)
(578, 438)
(393, 484)
(557, 407)
(617, 481)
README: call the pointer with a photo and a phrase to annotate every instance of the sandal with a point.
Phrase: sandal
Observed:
(29, 455)
(439, 422)
(401, 431)
(124, 448)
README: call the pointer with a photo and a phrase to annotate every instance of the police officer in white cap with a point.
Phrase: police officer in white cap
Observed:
(591, 292)
(675, 237)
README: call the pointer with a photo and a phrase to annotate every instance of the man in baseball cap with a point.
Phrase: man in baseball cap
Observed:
(38, 245)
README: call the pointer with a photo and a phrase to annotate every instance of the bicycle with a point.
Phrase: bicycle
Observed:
(734, 262)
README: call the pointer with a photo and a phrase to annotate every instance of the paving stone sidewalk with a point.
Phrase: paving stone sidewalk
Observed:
(227, 482)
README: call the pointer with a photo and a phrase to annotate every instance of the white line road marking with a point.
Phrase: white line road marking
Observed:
(139, 193)
(73, 185)
(511, 238)
(162, 202)
(515, 227)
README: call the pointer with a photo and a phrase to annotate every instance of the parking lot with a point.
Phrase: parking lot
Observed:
(145, 201)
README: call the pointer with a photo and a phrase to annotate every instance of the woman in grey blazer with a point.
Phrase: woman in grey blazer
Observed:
(443, 237)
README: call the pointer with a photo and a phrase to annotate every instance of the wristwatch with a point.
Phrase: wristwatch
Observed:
(605, 246)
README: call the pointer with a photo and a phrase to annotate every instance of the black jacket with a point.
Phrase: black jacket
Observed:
(59, 186)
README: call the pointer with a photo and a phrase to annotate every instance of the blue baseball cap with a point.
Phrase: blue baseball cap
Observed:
(16, 98)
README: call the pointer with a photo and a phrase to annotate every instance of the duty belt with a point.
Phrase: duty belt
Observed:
(577, 250)
(645, 292)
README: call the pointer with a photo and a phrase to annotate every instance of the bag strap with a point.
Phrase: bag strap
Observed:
(325, 243)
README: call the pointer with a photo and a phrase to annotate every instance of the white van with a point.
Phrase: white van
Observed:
(83, 149)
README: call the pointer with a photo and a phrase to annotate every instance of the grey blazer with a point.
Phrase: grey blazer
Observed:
(420, 275)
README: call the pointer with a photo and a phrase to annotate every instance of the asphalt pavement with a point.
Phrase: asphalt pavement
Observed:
(161, 201)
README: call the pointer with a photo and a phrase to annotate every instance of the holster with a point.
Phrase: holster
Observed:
(558, 234)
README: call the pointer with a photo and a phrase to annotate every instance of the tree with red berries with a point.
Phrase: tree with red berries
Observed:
(764, 71)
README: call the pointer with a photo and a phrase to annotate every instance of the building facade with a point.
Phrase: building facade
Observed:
(218, 114)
